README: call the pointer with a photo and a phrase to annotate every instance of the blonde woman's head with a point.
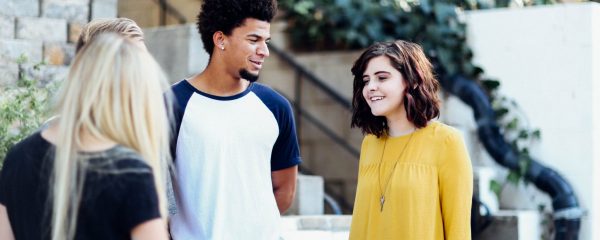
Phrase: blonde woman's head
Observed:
(122, 26)
(114, 91)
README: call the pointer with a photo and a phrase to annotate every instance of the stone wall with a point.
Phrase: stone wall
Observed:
(44, 30)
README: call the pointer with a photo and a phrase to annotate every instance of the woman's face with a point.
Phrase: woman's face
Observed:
(383, 88)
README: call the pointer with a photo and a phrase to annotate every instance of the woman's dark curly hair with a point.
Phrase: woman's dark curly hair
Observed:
(225, 15)
(420, 95)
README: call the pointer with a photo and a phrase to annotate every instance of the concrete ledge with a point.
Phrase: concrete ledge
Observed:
(321, 227)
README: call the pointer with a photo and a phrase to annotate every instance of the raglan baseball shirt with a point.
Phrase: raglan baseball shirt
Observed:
(225, 150)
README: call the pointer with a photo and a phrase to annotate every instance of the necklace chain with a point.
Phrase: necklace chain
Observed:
(386, 186)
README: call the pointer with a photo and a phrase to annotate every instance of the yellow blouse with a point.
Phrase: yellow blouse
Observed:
(429, 192)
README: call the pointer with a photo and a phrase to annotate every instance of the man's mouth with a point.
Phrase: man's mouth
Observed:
(257, 64)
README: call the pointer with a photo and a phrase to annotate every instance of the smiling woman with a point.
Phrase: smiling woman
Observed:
(415, 179)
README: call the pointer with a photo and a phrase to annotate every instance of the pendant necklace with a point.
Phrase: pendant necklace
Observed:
(386, 186)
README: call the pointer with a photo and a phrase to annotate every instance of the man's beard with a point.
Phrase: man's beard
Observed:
(248, 76)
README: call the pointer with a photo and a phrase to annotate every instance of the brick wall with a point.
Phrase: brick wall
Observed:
(44, 30)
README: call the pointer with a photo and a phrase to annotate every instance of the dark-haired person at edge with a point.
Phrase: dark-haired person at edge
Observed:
(415, 179)
(235, 149)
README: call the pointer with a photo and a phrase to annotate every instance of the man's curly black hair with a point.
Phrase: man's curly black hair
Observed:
(225, 15)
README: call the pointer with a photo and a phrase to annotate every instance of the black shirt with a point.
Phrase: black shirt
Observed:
(118, 191)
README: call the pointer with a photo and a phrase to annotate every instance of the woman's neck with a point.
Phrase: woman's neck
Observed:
(89, 143)
(399, 126)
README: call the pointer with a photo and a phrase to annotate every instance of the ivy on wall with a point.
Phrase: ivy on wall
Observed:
(438, 26)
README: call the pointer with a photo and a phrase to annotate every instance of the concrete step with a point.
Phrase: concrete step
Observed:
(517, 225)
(506, 225)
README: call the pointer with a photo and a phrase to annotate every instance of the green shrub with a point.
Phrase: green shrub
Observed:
(23, 107)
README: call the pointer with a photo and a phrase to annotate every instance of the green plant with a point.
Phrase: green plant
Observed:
(438, 26)
(23, 107)
(519, 133)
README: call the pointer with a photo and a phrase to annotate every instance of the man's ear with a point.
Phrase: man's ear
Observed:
(219, 39)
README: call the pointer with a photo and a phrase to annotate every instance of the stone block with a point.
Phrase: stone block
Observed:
(20, 8)
(74, 31)
(12, 49)
(58, 53)
(309, 198)
(104, 9)
(44, 29)
(46, 74)
(7, 27)
(9, 74)
(68, 10)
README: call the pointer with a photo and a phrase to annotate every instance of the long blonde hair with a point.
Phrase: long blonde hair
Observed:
(114, 91)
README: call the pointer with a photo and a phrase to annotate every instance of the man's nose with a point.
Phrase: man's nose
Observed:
(263, 50)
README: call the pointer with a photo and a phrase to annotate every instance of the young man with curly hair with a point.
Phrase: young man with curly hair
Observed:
(236, 151)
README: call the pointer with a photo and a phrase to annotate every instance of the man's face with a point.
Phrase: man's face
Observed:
(246, 48)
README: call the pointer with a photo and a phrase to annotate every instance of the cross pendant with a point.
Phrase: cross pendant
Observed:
(382, 201)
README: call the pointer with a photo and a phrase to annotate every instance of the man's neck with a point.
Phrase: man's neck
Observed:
(218, 82)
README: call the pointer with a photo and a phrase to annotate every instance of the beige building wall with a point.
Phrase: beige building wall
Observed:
(147, 13)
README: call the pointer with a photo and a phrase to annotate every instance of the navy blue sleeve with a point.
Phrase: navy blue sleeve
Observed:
(286, 151)
(182, 91)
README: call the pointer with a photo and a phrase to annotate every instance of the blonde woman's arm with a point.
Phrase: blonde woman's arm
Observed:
(155, 229)
(5, 229)
(456, 188)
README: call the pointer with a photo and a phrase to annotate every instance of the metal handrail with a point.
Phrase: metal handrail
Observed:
(303, 114)
(166, 7)
(344, 144)
(338, 98)
(321, 85)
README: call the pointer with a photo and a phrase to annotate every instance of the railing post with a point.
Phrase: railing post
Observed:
(163, 12)
(298, 103)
